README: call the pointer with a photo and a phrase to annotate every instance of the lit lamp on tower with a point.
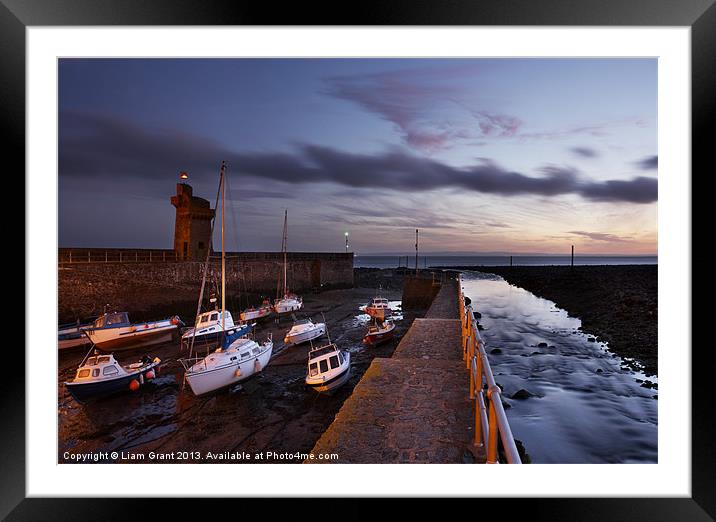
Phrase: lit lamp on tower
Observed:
(346, 242)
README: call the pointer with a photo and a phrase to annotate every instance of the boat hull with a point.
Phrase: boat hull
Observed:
(86, 391)
(375, 339)
(130, 340)
(304, 337)
(332, 384)
(66, 344)
(202, 382)
(250, 315)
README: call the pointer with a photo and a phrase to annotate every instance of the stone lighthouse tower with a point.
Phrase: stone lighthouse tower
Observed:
(192, 228)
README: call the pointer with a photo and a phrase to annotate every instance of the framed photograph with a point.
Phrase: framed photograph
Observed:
(444, 249)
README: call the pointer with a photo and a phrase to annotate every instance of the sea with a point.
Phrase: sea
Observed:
(369, 261)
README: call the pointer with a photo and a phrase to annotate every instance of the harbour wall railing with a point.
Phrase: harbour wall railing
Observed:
(147, 255)
(490, 417)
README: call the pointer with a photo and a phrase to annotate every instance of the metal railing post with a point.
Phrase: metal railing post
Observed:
(492, 440)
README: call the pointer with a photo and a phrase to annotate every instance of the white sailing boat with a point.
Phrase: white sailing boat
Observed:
(238, 357)
(290, 302)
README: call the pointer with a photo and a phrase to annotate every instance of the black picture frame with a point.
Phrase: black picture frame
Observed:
(699, 15)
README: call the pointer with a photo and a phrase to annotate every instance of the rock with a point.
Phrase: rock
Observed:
(591, 339)
(524, 456)
(542, 345)
(478, 315)
(506, 405)
(522, 394)
(496, 351)
(480, 327)
(599, 370)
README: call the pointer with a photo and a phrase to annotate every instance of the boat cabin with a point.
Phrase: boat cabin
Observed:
(324, 359)
(379, 302)
(98, 367)
(112, 320)
(213, 317)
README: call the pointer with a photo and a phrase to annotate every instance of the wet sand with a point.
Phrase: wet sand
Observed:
(617, 303)
(272, 412)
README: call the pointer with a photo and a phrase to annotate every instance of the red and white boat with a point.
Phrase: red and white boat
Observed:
(258, 312)
(379, 333)
(379, 308)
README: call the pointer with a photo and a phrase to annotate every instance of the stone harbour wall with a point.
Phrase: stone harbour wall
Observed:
(85, 288)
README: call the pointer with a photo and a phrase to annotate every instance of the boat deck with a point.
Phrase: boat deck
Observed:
(414, 406)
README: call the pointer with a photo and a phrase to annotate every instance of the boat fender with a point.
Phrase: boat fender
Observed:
(141, 378)
(237, 373)
(146, 326)
(150, 375)
(175, 320)
(134, 385)
(257, 365)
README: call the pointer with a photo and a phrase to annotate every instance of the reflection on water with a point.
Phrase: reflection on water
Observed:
(585, 407)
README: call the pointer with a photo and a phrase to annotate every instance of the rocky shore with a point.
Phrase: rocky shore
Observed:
(616, 303)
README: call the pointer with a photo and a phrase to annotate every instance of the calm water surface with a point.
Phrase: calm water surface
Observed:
(585, 408)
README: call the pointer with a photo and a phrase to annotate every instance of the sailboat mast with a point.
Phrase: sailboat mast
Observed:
(223, 250)
(285, 248)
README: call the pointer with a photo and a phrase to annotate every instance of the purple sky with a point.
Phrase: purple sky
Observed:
(483, 155)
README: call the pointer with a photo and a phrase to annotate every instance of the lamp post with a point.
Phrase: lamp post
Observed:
(346, 242)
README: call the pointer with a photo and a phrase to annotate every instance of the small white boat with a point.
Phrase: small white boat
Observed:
(71, 336)
(259, 312)
(209, 327)
(379, 308)
(328, 368)
(112, 331)
(303, 331)
(289, 303)
(239, 360)
(101, 375)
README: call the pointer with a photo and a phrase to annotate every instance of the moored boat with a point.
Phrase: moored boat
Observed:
(210, 327)
(236, 360)
(303, 331)
(101, 375)
(379, 308)
(290, 302)
(258, 312)
(238, 357)
(328, 368)
(113, 331)
(379, 333)
(71, 335)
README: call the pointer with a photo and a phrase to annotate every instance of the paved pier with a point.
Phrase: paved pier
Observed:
(414, 406)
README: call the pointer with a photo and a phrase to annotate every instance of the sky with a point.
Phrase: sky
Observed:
(482, 155)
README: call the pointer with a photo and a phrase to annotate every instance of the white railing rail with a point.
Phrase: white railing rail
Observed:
(490, 418)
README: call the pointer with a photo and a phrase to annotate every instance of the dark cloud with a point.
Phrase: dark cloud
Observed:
(599, 236)
(648, 163)
(407, 99)
(92, 146)
(584, 152)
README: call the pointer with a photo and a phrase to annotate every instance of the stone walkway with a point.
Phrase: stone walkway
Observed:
(413, 407)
